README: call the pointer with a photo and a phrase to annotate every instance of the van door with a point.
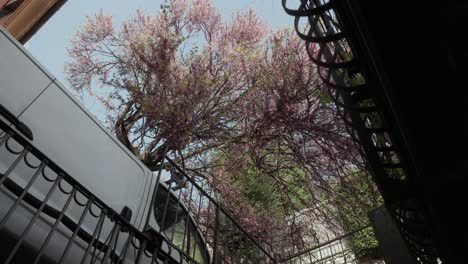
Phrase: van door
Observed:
(72, 138)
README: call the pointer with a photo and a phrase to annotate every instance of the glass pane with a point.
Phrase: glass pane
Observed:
(175, 225)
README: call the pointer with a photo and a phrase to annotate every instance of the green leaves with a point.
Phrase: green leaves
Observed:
(355, 198)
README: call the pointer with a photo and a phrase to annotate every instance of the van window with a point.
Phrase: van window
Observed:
(178, 227)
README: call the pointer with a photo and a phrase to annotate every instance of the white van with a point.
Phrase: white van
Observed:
(73, 162)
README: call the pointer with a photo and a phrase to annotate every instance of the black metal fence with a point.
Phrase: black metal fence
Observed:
(192, 215)
(112, 239)
(343, 249)
(335, 252)
(321, 24)
(48, 217)
(338, 250)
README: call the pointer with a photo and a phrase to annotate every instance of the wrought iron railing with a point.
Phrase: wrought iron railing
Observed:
(223, 235)
(112, 238)
(338, 250)
(320, 24)
(66, 223)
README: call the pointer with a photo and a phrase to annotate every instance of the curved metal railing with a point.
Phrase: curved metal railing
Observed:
(228, 241)
(112, 238)
(188, 216)
(336, 250)
(319, 24)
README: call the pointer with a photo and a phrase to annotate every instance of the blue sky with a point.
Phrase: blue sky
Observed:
(50, 43)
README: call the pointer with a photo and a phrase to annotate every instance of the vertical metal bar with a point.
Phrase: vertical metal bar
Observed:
(166, 205)
(25, 191)
(189, 239)
(78, 227)
(4, 138)
(54, 227)
(153, 198)
(106, 244)
(353, 248)
(325, 249)
(200, 195)
(114, 255)
(13, 165)
(206, 225)
(187, 218)
(310, 257)
(224, 248)
(33, 219)
(96, 233)
(140, 251)
(99, 245)
(227, 252)
(207, 219)
(343, 251)
(215, 247)
(156, 252)
(320, 254)
(126, 246)
(332, 253)
(300, 257)
(113, 238)
(177, 214)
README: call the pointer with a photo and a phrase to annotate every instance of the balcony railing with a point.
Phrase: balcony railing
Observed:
(49, 217)
(320, 23)
(222, 234)
(112, 239)
(339, 250)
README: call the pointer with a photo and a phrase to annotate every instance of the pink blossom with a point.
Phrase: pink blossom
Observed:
(221, 96)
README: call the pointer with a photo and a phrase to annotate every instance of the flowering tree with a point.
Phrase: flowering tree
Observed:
(227, 100)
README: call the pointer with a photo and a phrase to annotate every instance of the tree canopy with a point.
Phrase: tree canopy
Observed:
(235, 103)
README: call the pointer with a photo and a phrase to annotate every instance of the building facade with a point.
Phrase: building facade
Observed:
(23, 18)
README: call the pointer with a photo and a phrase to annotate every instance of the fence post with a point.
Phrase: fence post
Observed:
(216, 234)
